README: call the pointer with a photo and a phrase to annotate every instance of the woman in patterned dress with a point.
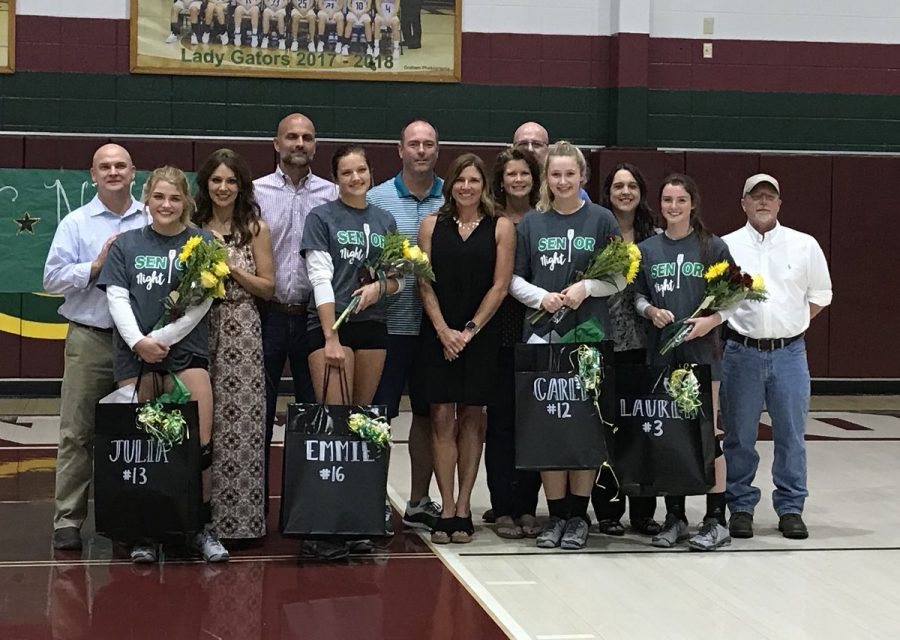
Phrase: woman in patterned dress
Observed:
(226, 206)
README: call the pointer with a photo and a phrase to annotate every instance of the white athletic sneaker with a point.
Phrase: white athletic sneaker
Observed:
(674, 531)
(265, 43)
(172, 38)
(295, 46)
(321, 47)
(396, 50)
(143, 553)
(711, 536)
(223, 38)
(206, 38)
(345, 50)
(281, 44)
(311, 46)
(370, 51)
(193, 38)
(376, 52)
(254, 41)
(207, 543)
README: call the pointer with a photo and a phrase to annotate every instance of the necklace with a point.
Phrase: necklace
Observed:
(466, 226)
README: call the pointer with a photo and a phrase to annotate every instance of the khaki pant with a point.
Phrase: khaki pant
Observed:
(88, 376)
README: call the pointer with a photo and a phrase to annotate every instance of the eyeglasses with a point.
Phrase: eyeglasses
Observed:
(531, 144)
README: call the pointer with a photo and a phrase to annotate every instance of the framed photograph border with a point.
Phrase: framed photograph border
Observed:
(10, 66)
(450, 76)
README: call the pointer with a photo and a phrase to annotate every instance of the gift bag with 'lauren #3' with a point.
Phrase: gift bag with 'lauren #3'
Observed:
(557, 422)
(334, 480)
(146, 486)
(659, 448)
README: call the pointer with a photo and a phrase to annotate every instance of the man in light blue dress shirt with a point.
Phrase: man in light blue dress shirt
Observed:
(76, 256)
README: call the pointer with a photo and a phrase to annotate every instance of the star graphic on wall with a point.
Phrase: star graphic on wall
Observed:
(26, 223)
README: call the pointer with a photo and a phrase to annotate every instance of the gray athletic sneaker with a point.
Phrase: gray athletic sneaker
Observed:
(575, 535)
(206, 542)
(552, 533)
(143, 553)
(675, 530)
(423, 515)
(711, 536)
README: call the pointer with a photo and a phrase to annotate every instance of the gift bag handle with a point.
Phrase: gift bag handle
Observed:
(346, 398)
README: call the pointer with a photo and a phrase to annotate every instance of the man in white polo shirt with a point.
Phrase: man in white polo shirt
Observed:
(410, 196)
(765, 359)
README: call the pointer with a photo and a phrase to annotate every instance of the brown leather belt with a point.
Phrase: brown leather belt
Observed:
(288, 309)
(761, 344)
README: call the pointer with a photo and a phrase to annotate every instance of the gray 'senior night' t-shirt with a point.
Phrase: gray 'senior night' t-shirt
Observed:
(551, 248)
(146, 264)
(671, 275)
(351, 236)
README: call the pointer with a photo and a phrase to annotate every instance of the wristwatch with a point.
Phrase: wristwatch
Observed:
(471, 326)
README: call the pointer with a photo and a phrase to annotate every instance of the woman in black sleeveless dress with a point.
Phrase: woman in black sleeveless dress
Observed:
(472, 254)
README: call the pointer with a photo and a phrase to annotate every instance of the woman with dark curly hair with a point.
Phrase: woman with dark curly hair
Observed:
(471, 251)
(625, 194)
(226, 206)
(514, 494)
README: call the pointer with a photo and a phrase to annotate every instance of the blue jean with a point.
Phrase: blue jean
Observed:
(284, 339)
(780, 379)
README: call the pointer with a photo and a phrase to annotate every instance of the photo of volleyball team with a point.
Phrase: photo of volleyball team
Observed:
(7, 27)
(283, 37)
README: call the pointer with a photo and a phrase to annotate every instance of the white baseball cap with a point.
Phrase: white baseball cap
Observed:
(752, 181)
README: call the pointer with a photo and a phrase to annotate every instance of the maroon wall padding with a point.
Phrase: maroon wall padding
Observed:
(864, 252)
(42, 358)
(259, 154)
(720, 178)
(46, 152)
(805, 183)
(148, 154)
(12, 152)
(10, 343)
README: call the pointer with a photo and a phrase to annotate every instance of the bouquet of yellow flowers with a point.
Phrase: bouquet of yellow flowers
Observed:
(374, 430)
(726, 285)
(202, 276)
(617, 257)
(397, 259)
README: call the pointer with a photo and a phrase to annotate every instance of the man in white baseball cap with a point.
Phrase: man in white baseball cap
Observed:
(765, 358)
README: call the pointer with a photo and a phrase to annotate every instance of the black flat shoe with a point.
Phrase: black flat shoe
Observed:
(646, 526)
(611, 528)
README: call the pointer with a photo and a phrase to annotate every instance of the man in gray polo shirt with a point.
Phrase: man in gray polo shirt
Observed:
(409, 196)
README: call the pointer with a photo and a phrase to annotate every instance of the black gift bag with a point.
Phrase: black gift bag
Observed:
(333, 482)
(657, 450)
(557, 426)
(142, 490)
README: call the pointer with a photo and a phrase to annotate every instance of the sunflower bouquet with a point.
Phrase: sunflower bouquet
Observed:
(376, 431)
(202, 276)
(397, 259)
(617, 257)
(726, 286)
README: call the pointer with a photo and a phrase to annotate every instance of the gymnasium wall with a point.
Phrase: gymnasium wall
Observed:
(626, 74)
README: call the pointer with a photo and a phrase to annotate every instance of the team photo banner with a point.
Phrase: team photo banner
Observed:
(7, 35)
(405, 40)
